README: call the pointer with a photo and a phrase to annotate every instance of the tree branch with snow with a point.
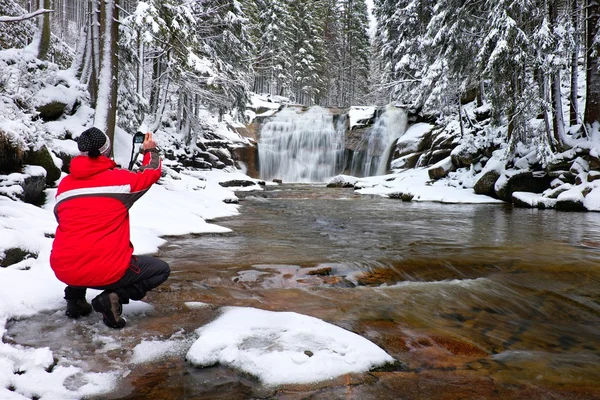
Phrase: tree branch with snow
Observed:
(6, 18)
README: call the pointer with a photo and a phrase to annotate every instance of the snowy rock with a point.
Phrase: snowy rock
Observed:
(485, 184)
(593, 175)
(237, 183)
(556, 183)
(43, 158)
(416, 139)
(581, 178)
(579, 166)
(342, 181)
(441, 169)
(283, 347)
(409, 161)
(532, 200)
(554, 193)
(571, 200)
(463, 156)
(592, 200)
(52, 110)
(28, 186)
(520, 181)
(404, 196)
(482, 113)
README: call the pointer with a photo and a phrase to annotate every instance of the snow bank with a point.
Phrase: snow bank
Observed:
(417, 183)
(283, 347)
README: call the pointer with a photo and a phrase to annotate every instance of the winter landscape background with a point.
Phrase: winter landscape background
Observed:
(415, 100)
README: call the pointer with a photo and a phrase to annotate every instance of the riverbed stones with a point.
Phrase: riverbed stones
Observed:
(237, 183)
(404, 196)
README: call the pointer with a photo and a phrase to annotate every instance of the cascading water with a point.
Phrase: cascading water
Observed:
(300, 146)
(377, 143)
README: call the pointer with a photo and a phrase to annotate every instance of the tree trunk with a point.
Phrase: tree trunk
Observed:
(94, 51)
(106, 105)
(573, 106)
(592, 98)
(558, 118)
(45, 34)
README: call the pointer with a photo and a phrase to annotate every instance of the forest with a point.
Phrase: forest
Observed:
(526, 60)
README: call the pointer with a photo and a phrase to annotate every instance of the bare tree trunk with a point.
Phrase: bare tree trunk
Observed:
(573, 106)
(592, 98)
(78, 64)
(46, 33)
(140, 68)
(106, 105)
(94, 53)
(558, 118)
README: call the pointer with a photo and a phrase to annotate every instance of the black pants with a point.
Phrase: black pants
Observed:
(144, 274)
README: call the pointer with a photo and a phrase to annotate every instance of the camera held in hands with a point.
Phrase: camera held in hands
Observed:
(138, 137)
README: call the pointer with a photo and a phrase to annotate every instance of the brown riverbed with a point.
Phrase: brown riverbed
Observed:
(474, 301)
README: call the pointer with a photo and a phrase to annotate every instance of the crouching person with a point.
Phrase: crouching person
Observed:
(92, 247)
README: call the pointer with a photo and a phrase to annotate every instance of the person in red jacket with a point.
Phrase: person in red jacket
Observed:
(92, 247)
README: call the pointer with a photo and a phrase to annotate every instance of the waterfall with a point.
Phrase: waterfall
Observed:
(298, 146)
(378, 141)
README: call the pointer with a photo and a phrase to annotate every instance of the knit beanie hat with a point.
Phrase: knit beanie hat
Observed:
(93, 142)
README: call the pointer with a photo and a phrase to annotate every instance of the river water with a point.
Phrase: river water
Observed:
(474, 301)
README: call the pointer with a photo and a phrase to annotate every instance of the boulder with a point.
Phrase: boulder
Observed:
(408, 161)
(463, 157)
(52, 110)
(43, 158)
(593, 175)
(485, 184)
(521, 181)
(554, 193)
(11, 154)
(237, 183)
(404, 196)
(342, 181)
(571, 200)
(441, 169)
(15, 255)
(27, 186)
(435, 156)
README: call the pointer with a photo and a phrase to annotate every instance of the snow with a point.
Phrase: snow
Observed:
(357, 114)
(416, 182)
(283, 347)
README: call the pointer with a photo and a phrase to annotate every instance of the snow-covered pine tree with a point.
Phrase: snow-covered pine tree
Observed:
(331, 27)
(228, 46)
(506, 59)
(308, 51)
(399, 38)
(353, 65)
(273, 61)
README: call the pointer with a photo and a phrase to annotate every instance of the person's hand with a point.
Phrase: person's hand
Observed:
(148, 143)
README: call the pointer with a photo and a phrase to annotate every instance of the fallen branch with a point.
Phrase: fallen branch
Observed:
(5, 18)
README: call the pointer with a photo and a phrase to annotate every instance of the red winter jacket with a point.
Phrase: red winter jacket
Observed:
(92, 247)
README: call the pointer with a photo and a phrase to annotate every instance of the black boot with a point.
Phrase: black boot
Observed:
(109, 305)
(77, 305)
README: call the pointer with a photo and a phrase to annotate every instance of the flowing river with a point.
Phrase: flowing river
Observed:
(474, 301)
